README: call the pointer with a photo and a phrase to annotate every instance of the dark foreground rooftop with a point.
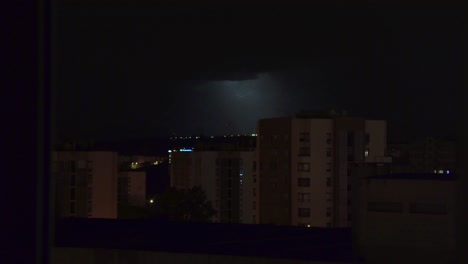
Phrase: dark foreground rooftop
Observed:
(318, 244)
(416, 176)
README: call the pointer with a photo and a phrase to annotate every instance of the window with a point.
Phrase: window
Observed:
(426, 208)
(350, 139)
(90, 194)
(72, 194)
(303, 212)
(72, 208)
(73, 165)
(388, 207)
(303, 182)
(349, 187)
(303, 197)
(254, 192)
(254, 205)
(304, 167)
(328, 212)
(366, 153)
(304, 152)
(329, 182)
(367, 139)
(72, 180)
(329, 167)
(329, 153)
(329, 141)
(90, 207)
(304, 137)
(254, 165)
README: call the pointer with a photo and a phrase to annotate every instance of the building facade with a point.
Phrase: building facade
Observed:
(86, 183)
(225, 176)
(425, 155)
(407, 218)
(303, 167)
(132, 188)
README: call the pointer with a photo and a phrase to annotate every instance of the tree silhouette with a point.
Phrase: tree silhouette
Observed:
(183, 205)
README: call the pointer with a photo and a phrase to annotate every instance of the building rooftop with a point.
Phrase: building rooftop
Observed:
(415, 176)
(287, 242)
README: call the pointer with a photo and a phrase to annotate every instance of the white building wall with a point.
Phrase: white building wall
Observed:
(105, 172)
(377, 129)
(318, 174)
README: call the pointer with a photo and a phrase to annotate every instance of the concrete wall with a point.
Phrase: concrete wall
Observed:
(105, 171)
(412, 233)
(108, 256)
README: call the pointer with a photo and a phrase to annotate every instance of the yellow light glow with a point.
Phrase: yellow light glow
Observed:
(151, 201)
(308, 225)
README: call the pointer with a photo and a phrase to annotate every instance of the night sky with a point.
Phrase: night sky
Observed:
(143, 71)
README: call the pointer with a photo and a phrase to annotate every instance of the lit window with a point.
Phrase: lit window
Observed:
(366, 153)
(441, 171)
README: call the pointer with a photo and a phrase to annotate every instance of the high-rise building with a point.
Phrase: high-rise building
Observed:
(86, 183)
(225, 175)
(303, 166)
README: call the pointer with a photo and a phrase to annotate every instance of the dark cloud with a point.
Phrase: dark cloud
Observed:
(134, 71)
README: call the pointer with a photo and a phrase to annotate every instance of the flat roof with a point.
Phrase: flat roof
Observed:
(415, 176)
(269, 241)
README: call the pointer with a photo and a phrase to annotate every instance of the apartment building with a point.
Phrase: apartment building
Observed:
(226, 176)
(85, 183)
(304, 167)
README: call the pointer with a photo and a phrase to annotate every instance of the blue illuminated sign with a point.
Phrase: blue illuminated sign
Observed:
(185, 150)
